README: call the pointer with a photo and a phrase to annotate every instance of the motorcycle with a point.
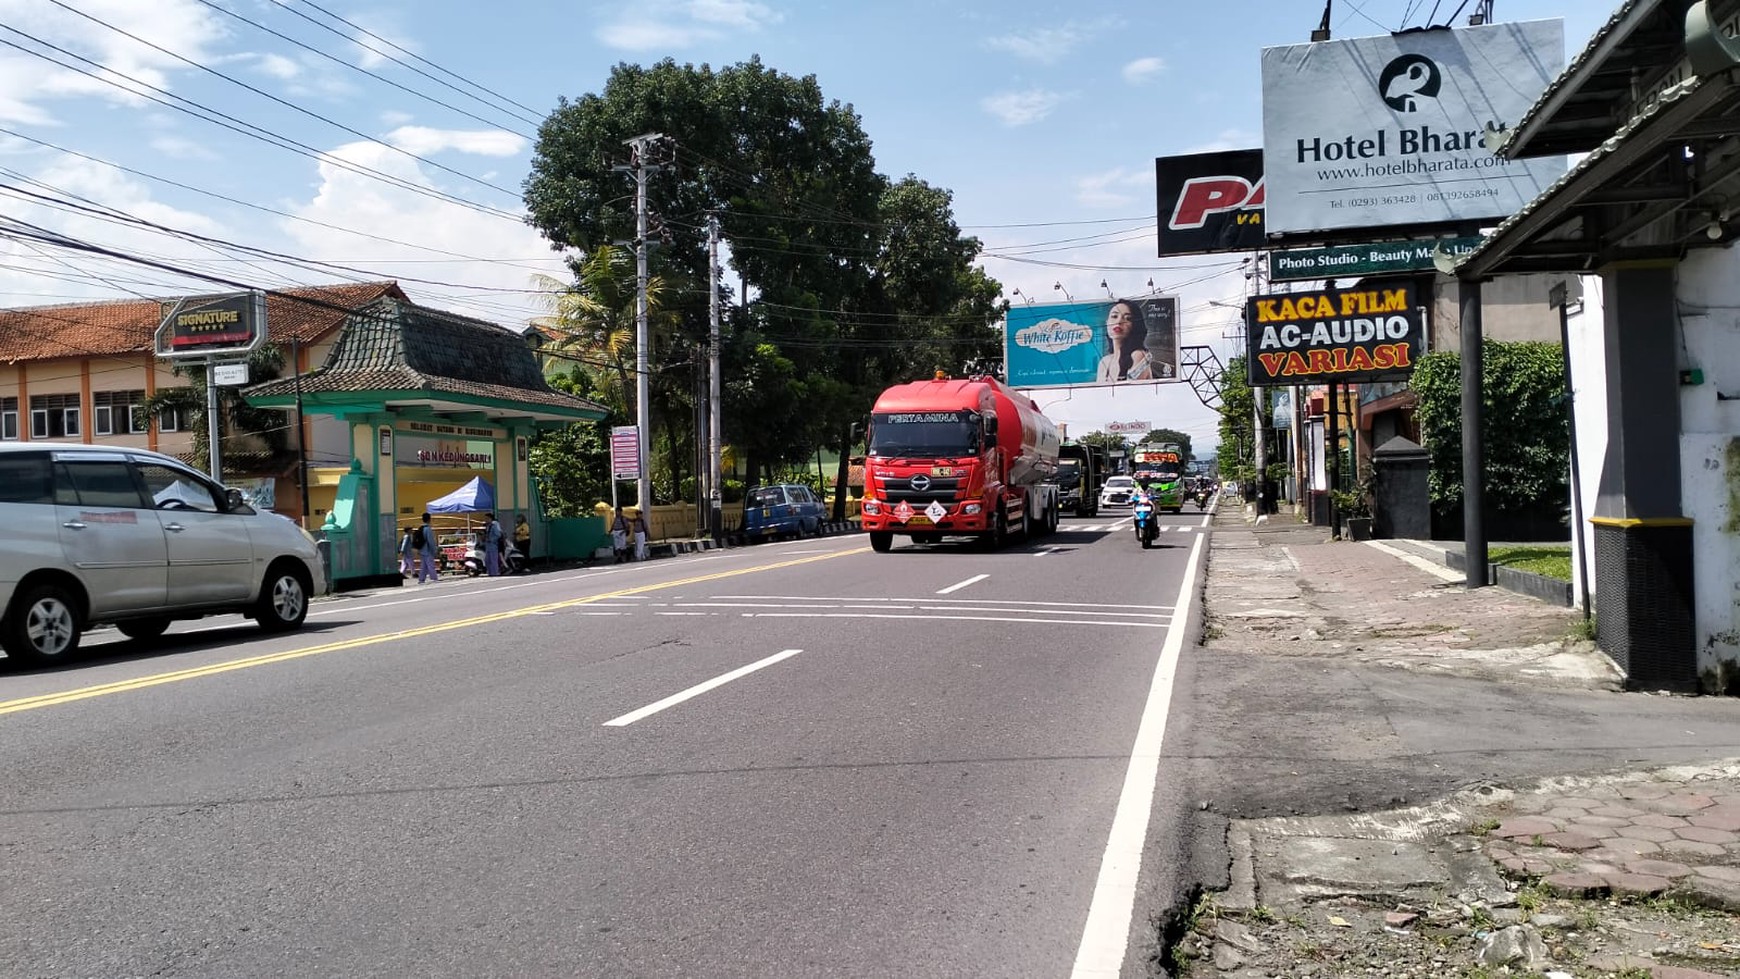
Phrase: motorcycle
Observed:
(1201, 497)
(512, 561)
(1146, 527)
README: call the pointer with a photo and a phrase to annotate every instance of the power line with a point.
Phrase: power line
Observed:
(233, 124)
(358, 68)
(284, 102)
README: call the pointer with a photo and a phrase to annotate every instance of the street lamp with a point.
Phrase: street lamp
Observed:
(1058, 286)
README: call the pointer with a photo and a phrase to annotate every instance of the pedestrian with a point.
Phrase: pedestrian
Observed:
(639, 536)
(619, 536)
(423, 540)
(492, 538)
(407, 553)
(523, 538)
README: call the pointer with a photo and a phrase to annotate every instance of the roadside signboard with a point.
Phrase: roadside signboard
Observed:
(229, 375)
(1210, 202)
(625, 452)
(1071, 344)
(1355, 261)
(229, 326)
(1129, 428)
(1370, 333)
(1395, 130)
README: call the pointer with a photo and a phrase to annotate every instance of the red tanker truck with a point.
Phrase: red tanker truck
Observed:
(952, 457)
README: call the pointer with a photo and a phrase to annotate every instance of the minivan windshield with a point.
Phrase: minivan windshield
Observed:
(766, 496)
(924, 433)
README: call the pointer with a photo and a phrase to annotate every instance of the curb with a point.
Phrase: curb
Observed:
(1550, 590)
(674, 548)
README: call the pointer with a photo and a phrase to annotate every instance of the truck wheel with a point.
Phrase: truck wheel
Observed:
(881, 541)
(999, 531)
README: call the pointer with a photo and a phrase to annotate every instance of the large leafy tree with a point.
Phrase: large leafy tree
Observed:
(238, 420)
(856, 280)
(1237, 403)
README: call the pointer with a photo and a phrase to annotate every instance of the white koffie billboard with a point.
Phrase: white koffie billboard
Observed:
(1391, 130)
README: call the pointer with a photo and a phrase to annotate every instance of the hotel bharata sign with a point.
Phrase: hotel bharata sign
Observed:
(1346, 336)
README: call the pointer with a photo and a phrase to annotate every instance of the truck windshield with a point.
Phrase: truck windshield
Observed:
(924, 433)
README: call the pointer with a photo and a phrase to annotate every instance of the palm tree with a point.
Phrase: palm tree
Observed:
(266, 424)
(591, 323)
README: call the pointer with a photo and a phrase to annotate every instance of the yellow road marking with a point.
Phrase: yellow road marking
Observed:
(158, 679)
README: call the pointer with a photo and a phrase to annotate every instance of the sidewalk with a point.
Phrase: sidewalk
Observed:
(1629, 874)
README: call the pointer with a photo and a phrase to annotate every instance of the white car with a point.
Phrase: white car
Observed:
(100, 534)
(1118, 491)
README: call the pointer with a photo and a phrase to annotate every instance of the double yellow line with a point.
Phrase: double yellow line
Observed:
(158, 679)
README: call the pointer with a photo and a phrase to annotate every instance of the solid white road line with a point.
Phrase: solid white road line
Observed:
(698, 689)
(957, 586)
(981, 601)
(1107, 933)
(949, 618)
(1417, 561)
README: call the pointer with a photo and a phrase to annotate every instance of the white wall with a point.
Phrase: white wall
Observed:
(1708, 295)
(1589, 400)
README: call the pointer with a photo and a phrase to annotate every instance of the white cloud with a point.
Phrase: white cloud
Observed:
(1113, 188)
(423, 141)
(662, 25)
(394, 117)
(1046, 45)
(732, 13)
(384, 46)
(278, 66)
(1143, 70)
(181, 148)
(1022, 108)
(1227, 139)
(127, 65)
(502, 253)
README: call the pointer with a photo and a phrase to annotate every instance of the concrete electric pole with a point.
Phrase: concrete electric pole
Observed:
(715, 441)
(640, 148)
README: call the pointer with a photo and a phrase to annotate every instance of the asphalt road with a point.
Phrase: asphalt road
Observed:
(794, 759)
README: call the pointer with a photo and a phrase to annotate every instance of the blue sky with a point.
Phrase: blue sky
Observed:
(1043, 119)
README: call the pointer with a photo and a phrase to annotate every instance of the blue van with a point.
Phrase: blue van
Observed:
(783, 510)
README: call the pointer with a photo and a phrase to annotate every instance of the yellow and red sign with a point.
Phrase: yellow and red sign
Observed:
(1370, 333)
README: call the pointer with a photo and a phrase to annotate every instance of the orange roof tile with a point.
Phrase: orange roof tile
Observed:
(125, 326)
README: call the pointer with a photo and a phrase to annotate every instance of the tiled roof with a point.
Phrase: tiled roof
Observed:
(126, 326)
(396, 346)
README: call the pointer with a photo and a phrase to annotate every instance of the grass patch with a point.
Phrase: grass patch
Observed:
(1550, 560)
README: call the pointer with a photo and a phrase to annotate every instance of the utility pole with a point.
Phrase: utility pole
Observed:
(640, 149)
(1258, 396)
(715, 441)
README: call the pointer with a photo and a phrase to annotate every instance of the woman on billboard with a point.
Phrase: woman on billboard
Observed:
(1126, 356)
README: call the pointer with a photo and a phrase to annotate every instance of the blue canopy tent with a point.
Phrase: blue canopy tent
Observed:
(476, 496)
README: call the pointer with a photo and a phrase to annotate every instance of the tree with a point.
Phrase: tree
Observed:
(1527, 431)
(244, 421)
(857, 280)
(1237, 402)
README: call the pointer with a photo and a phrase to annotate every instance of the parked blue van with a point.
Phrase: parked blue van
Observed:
(783, 510)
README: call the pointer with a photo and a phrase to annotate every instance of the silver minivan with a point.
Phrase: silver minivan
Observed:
(92, 534)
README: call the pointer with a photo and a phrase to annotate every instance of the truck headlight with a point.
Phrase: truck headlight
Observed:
(872, 507)
(971, 509)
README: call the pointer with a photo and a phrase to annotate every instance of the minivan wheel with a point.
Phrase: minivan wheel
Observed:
(283, 602)
(43, 626)
(143, 630)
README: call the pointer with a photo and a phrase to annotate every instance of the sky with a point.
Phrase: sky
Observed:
(297, 142)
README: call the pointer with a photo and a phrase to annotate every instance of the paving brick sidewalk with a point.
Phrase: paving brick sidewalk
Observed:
(1630, 874)
(1286, 589)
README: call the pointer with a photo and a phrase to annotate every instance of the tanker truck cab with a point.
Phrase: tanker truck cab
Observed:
(958, 457)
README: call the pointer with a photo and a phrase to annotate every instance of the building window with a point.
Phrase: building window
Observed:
(9, 419)
(54, 416)
(118, 412)
(174, 420)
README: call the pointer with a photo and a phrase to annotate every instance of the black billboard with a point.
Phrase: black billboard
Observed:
(1369, 333)
(1210, 202)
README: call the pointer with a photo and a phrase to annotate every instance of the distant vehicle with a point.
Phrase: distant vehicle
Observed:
(1118, 491)
(98, 534)
(964, 457)
(782, 510)
(1159, 469)
(1081, 469)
